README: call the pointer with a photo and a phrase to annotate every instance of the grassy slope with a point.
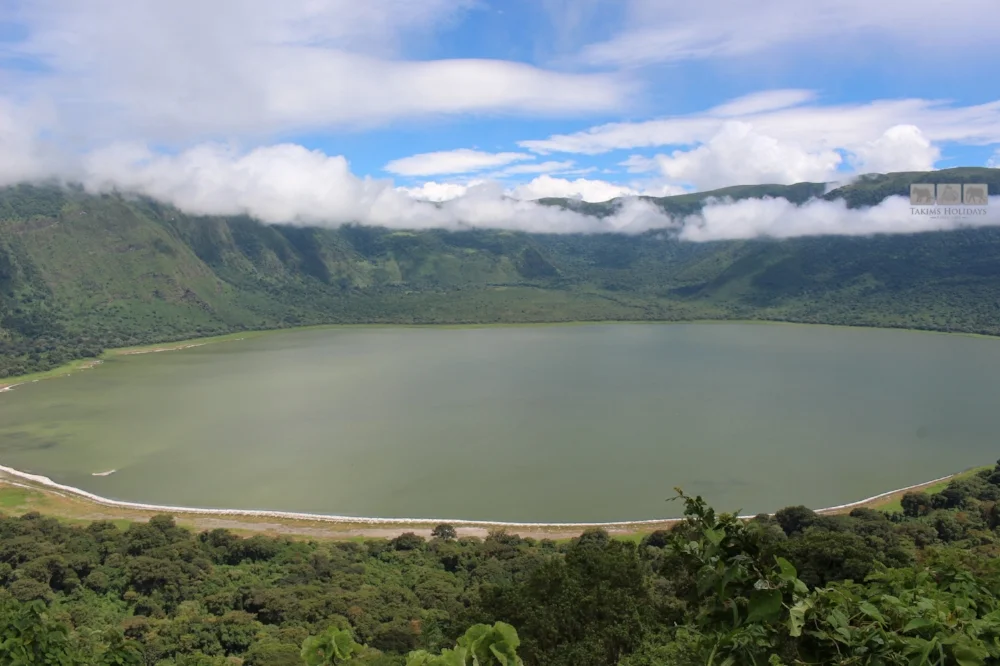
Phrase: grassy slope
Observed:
(79, 272)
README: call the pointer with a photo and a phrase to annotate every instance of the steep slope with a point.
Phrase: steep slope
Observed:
(80, 272)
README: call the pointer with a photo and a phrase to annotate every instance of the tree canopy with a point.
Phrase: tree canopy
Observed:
(914, 587)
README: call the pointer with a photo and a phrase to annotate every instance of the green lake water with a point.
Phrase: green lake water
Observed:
(587, 423)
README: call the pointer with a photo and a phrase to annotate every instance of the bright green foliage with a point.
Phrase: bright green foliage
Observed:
(491, 646)
(737, 592)
(334, 646)
(29, 635)
(482, 645)
(753, 612)
(930, 617)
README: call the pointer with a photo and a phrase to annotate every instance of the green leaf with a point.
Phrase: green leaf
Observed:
(419, 658)
(765, 606)
(970, 655)
(836, 619)
(457, 657)
(797, 616)
(715, 537)
(330, 647)
(788, 572)
(473, 634)
(727, 578)
(508, 633)
(343, 645)
(918, 623)
(870, 611)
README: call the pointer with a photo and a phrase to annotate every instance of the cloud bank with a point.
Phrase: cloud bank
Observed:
(542, 187)
(778, 218)
(288, 184)
(580, 188)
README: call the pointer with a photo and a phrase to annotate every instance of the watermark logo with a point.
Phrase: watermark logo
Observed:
(949, 199)
(949, 194)
(975, 195)
(922, 194)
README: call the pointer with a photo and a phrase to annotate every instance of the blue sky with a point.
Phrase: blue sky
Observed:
(872, 69)
(258, 106)
(498, 30)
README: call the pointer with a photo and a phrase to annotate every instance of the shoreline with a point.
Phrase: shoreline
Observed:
(65, 370)
(46, 484)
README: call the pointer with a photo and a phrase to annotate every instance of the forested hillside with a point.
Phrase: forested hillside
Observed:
(79, 273)
(917, 587)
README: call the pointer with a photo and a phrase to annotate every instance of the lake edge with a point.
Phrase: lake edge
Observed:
(78, 365)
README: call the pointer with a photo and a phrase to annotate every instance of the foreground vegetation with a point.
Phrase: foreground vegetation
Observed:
(916, 587)
(80, 274)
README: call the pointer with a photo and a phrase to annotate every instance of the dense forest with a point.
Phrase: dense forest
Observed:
(921, 586)
(81, 273)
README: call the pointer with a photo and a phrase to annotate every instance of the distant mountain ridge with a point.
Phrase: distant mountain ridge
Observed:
(865, 190)
(79, 272)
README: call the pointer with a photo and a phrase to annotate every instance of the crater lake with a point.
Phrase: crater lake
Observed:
(578, 423)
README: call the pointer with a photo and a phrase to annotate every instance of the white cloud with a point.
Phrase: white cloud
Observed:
(637, 216)
(767, 100)
(781, 139)
(288, 184)
(994, 161)
(581, 188)
(276, 184)
(433, 191)
(22, 155)
(740, 155)
(443, 162)
(812, 126)
(621, 136)
(777, 218)
(901, 148)
(187, 70)
(540, 188)
(178, 73)
(639, 164)
(657, 188)
(484, 206)
(673, 30)
(541, 167)
(471, 161)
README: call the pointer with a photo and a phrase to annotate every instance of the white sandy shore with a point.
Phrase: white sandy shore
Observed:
(49, 483)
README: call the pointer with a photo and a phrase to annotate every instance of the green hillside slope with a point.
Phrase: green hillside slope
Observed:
(79, 273)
